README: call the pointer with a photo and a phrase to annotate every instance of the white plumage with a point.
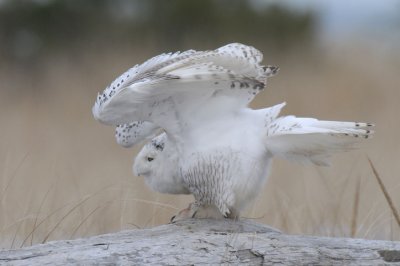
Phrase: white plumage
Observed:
(205, 141)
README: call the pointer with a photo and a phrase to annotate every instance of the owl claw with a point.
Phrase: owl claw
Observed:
(199, 212)
(209, 211)
(189, 212)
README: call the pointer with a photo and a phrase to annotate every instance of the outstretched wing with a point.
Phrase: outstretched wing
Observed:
(169, 90)
(309, 139)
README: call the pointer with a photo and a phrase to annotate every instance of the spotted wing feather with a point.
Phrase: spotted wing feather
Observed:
(313, 140)
(166, 88)
(133, 133)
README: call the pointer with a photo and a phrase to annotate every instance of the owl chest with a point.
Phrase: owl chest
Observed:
(208, 175)
(225, 178)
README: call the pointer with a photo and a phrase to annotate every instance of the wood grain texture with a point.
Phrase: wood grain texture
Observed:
(207, 242)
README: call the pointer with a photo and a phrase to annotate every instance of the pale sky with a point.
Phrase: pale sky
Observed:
(343, 18)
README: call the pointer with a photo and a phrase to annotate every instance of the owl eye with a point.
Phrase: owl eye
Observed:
(149, 159)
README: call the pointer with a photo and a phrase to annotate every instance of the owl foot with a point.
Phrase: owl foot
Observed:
(199, 212)
(184, 214)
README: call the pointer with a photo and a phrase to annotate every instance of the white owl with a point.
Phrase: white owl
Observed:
(210, 143)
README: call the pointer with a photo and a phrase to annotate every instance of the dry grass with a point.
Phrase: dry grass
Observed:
(385, 192)
(63, 175)
(356, 205)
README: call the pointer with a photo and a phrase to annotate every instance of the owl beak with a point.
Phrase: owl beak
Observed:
(137, 172)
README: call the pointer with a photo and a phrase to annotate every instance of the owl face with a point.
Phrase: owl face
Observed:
(158, 168)
(146, 160)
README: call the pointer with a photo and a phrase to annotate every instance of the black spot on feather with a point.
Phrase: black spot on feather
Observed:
(158, 145)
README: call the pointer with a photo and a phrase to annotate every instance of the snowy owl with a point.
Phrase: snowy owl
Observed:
(203, 139)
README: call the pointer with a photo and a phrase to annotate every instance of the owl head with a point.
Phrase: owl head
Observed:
(158, 167)
(149, 157)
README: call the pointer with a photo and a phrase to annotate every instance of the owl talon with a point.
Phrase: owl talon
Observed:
(189, 212)
(199, 212)
(209, 212)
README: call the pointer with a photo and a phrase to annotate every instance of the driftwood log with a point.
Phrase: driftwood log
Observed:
(207, 242)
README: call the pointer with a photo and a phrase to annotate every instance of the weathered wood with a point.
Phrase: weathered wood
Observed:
(200, 242)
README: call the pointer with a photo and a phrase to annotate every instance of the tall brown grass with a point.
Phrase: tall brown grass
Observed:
(355, 209)
(386, 193)
(63, 175)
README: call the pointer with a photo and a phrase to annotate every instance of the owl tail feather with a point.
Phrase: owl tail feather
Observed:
(313, 140)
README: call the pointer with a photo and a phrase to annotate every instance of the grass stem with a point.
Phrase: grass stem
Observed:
(385, 193)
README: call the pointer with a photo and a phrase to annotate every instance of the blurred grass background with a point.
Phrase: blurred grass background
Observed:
(63, 176)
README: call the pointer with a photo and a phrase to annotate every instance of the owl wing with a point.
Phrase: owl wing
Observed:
(309, 139)
(170, 89)
(127, 135)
